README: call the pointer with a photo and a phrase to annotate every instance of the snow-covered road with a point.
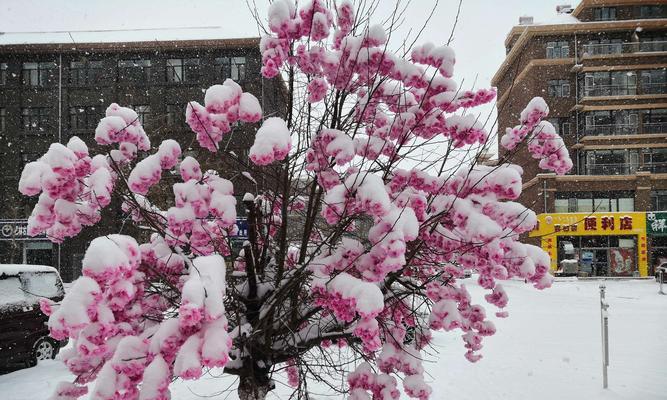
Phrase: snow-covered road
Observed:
(548, 348)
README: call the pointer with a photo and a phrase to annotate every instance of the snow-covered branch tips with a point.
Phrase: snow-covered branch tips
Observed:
(366, 209)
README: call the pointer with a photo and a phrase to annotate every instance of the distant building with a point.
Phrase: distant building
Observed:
(56, 85)
(601, 67)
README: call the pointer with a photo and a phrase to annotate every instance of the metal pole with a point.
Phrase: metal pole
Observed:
(661, 279)
(605, 335)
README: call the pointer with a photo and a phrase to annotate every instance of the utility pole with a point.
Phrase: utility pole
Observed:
(604, 319)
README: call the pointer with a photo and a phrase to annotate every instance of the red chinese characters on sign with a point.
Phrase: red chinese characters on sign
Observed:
(607, 223)
(626, 223)
(590, 223)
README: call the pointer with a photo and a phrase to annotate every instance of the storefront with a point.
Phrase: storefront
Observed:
(656, 229)
(19, 248)
(595, 244)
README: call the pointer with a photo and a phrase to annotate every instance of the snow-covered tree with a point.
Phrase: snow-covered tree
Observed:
(368, 135)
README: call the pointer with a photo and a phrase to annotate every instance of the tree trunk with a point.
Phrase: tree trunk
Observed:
(251, 388)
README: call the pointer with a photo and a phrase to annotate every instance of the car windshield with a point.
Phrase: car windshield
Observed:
(10, 291)
(42, 284)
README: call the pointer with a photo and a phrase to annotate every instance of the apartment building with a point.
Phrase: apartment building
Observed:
(601, 67)
(57, 85)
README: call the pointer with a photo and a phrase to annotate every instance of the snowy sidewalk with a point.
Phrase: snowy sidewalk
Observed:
(548, 348)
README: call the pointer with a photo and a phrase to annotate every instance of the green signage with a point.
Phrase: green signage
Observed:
(656, 223)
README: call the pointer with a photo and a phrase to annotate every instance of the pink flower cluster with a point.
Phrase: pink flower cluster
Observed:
(127, 354)
(543, 141)
(364, 380)
(121, 125)
(329, 146)
(148, 171)
(272, 142)
(74, 188)
(292, 373)
(224, 105)
(204, 212)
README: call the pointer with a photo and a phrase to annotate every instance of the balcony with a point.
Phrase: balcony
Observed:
(610, 90)
(615, 129)
(610, 169)
(655, 168)
(623, 48)
(654, 88)
(654, 127)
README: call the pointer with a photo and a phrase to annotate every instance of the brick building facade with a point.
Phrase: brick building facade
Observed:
(53, 87)
(601, 67)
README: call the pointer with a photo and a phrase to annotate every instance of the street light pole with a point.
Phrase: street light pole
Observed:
(605, 335)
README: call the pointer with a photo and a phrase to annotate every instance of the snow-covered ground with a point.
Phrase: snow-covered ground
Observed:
(549, 348)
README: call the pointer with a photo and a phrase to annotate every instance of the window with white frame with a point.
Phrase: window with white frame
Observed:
(231, 67)
(558, 88)
(558, 49)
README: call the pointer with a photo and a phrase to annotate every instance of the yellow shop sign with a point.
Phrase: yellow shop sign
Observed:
(584, 224)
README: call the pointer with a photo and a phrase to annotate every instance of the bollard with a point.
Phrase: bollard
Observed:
(604, 319)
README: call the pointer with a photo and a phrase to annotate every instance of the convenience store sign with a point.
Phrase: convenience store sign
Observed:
(656, 223)
(581, 224)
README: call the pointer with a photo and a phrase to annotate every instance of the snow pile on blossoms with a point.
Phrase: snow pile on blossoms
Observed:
(272, 142)
(543, 141)
(224, 105)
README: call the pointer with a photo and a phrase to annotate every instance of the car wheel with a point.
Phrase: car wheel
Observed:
(44, 349)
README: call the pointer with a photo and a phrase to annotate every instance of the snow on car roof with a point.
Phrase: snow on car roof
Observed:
(14, 269)
(116, 36)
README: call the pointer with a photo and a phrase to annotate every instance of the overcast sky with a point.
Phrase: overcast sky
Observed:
(478, 38)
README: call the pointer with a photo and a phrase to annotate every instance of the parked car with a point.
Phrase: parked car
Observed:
(24, 335)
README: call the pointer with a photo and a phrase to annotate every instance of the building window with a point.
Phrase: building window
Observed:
(183, 70)
(612, 122)
(659, 200)
(654, 81)
(562, 125)
(611, 162)
(622, 201)
(603, 47)
(655, 160)
(35, 119)
(134, 71)
(654, 121)
(231, 67)
(559, 88)
(85, 117)
(653, 43)
(3, 119)
(3, 73)
(85, 73)
(604, 13)
(38, 73)
(143, 112)
(652, 11)
(176, 115)
(558, 49)
(605, 83)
